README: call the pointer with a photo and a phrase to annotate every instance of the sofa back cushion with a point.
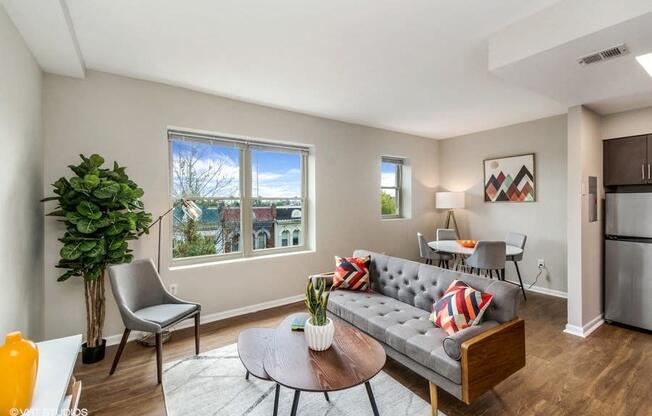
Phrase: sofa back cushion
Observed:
(422, 285)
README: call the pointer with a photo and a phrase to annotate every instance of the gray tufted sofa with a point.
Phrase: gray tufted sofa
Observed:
(396, 314)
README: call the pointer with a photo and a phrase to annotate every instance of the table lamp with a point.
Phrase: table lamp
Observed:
(450, 201)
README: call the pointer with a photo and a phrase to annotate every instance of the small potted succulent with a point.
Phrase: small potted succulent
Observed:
(319, 328)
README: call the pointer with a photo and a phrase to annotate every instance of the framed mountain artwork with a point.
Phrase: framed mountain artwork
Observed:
(509, 179)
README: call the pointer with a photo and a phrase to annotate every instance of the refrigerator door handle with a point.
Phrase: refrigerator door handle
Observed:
(642, 171)
(648, 172)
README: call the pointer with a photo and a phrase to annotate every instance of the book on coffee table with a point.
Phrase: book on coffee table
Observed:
(299, 323)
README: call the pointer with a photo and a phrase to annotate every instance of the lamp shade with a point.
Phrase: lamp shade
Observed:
(191, 209)
(449, 200)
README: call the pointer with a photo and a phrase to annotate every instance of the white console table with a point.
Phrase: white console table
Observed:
(56, 388)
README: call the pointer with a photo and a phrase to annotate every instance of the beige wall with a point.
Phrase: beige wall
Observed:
(586, 130)
(126, 120)
(21, 164)
(584, 237)
(592, 232)
(628, 123)
(574, 218)
(544, 221)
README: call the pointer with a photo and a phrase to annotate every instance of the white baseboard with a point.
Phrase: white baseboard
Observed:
(115, 339)
(545, 291)
(587, 329)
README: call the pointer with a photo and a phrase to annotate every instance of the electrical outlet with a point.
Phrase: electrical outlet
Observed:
(174, 288)
(541, 264)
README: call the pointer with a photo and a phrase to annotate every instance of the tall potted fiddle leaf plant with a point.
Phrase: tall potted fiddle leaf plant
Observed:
(102, 210)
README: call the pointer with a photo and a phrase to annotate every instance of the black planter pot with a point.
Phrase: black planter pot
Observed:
(92, 355)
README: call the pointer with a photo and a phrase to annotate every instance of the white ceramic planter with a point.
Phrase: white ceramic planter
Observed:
(319, 338)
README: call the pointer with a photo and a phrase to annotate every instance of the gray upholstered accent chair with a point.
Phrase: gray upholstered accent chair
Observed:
(517, 240)
(488, 256)
(146, 306)
(444, 234)
(428, 254)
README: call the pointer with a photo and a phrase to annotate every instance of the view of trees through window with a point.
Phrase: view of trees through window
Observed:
(390, 187)
(211, 172)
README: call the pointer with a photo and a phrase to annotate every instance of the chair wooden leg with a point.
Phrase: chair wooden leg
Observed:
(433, 399)
(518, 272)
(123, 342)
(197, 334)
(159, 358)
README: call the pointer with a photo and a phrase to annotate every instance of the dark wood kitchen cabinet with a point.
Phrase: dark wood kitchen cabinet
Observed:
(627, 161)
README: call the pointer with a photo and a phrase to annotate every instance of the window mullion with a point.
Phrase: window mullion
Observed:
(304, 198)
(399, 190)
(247, 201)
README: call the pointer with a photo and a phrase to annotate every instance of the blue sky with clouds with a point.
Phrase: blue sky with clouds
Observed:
(274, 174)
(388, 174)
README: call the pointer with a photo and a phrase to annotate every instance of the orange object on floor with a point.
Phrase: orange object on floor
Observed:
(18, 366)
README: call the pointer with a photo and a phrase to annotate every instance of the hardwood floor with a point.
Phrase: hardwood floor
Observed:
(609, 373)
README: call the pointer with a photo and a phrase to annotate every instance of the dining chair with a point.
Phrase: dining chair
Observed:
(517, 240)
(488, 256)
(446, 234)
(146, 306)
(449, 234)
(428, 254)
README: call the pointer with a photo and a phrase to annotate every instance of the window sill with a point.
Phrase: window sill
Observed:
(214, 260)
(397, 218)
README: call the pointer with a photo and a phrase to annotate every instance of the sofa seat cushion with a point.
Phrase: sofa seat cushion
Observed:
(166, 313)
(402, 327)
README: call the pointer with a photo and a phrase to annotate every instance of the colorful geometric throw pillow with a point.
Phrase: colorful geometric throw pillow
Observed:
(352, 273)
(460, 307)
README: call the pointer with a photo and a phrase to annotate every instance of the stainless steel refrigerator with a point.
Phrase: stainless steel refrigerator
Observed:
(628, 259)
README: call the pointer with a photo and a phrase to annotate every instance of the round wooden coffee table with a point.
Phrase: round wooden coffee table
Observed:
(353, 359)
(252, 348)
(253, 344)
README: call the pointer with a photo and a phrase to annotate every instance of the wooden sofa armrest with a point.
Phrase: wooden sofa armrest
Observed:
(491, 357)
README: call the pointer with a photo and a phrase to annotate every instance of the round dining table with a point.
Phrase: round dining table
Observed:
(453, 247)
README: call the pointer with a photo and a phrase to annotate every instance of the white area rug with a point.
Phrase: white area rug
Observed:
(213, 383)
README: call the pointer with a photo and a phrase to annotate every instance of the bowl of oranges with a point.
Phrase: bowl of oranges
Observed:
(467, 243)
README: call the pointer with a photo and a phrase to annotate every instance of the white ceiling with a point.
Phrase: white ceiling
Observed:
(548, 64)
(417, 66)
(48, 32)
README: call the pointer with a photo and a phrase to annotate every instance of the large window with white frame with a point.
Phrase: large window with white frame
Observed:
(391, 189)
(252, 196)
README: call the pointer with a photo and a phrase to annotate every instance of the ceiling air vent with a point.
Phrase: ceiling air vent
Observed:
(603, 55)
